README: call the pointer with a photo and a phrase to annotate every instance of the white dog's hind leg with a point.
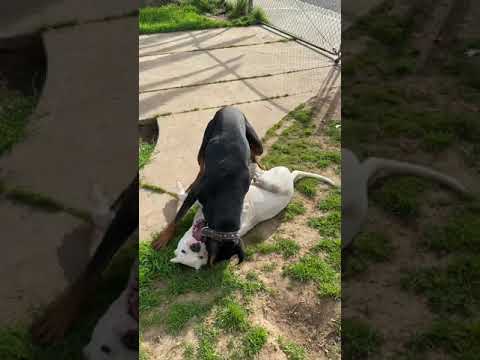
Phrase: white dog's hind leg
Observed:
(264, 184)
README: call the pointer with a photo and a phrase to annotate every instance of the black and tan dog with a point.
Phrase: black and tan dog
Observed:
(229, 146)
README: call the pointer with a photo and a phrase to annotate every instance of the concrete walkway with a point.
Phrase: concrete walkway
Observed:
(186, 77)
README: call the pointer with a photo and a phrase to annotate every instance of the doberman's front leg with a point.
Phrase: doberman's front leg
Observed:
(62, 313)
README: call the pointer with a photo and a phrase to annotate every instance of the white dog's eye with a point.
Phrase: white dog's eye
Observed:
(184, 252)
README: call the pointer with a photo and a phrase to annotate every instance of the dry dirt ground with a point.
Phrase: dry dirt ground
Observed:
(273, 306)
(410, 282)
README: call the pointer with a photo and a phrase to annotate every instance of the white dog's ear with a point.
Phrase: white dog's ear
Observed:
(182, 194)
(99, 198)
(101, 211)
(180, 188)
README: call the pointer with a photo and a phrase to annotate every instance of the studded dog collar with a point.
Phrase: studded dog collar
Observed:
(220, 236)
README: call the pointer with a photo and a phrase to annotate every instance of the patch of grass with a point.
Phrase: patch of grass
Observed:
(237, 8)
(294, 209)
(291, 152)
(437, 141)
(313, 268)
(180, 314)
(258, 16)
(368, 248)
(15, 344)
(328, 225)
(175, 18)
(253, 342)
(303, 114)
(286, 247)
(190, 16)
(460, 233)
(145, 151)
(189, 352)
(207, 337)
(401, 196)
(373, 246)
(332, 248)
(292, 350)
(207, 6)
(334, 131)
(14, 112)
(359, 340)
(232, 317)
(332, 202)
(454, 289)
(307, 187)
(460, 339)
(295, 147)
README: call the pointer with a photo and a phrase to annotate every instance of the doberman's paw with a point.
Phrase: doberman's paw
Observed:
(164, 237)
(58, 318)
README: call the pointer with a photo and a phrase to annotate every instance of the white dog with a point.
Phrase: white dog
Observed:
(108, 341)
(356, 177)
(270, 192)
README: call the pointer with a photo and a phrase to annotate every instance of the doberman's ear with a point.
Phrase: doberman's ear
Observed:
(254, 141)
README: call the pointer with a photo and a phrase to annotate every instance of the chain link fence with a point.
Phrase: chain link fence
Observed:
(317, 22)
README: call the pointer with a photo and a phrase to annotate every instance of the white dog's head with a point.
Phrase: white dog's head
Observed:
(115, 334)
(190, 250)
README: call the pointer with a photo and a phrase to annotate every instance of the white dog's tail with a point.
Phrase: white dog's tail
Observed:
(297, 175)
(393, 167)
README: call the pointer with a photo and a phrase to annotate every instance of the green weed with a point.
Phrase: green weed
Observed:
(294, 209)
(253, 342)
(313, 268)
(180, 314)
(332, 202)
(401, 196)
(454, 289)
(292, 350)
(145, 151)
(14, 114)
(359, 340)
(232, 317)
(328, 225)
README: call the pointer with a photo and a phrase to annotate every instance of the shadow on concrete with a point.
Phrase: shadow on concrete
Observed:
(148, 87)
(152, 39)
(224, 68)
(171, 50)
(74, 252)
(170, 210)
